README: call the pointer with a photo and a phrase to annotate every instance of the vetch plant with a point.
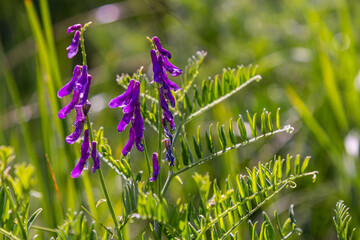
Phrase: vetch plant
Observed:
(165, 106)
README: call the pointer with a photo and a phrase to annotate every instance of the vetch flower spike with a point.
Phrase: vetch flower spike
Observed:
(85, 154)
(129, 102)
(155, 167)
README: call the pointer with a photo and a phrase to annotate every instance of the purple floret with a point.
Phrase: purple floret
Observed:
(155, 167)
(85, 154)
(74, 46)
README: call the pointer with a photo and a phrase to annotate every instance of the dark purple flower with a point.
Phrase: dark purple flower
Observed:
(129, 102)
(169, 154)
(79, 125)
(123, 99)
(173, 70)
(128, 146)
(161, 50)
(74, 46)
(155, 167)
(74, 28)
(167, 131)
(69, 87)
(67, 109)
(81, 85)
(85, 154)
(161, 65)
(95, 156)
(138, 123)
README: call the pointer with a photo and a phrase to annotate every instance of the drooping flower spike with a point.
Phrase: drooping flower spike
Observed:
(129, 102)
(155, 167)
(79, 85)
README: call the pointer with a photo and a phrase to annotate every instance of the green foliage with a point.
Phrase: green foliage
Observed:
(214, 91)
(220, 213)
(76, 226)
(16, 183)
(267, 231)
(342, 220)
(235, 142)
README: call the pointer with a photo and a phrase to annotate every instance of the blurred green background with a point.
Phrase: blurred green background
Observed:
(307, 52)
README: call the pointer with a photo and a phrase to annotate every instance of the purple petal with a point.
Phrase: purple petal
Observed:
(134, 99)
(167, 131)
(156, 66)
(155, 167)
(171, 85)
(85, 154)
(138, 125)
(169, 155)
(161, 50)
(67, 89)
(95, 157)
(123, 99)
(124, 121)
(84, 76)
(128, 146)
(67, 109)
(169, 97)
(74, 46)
(85, 91)
(74, 28)
(79, 125)
(172, 69)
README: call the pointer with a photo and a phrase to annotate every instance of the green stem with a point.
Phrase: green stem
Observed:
(147, 160)
(14, 208)
(167, 182)
(82, 42)
(109, 203)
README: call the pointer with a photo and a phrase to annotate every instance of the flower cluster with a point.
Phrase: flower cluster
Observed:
(160, 60)
(129, 102)
(79, 85)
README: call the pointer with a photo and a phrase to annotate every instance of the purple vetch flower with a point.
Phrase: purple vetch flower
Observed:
(73, 28)
(129, 102)
(79, 125)
(161, 50)
(85, 154)
(155, 167)
(74, 46)
(67, 109)
(68, 88)
(160, 60)
(169, 154)
(80, 83)
(130, 143)
(95, 156)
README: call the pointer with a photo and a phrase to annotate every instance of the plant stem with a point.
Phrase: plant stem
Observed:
(82, 42)
(14, 208)
(109, 203)
(167, 182)
(147, 157)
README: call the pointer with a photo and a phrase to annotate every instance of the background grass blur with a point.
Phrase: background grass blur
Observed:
(307, 52)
